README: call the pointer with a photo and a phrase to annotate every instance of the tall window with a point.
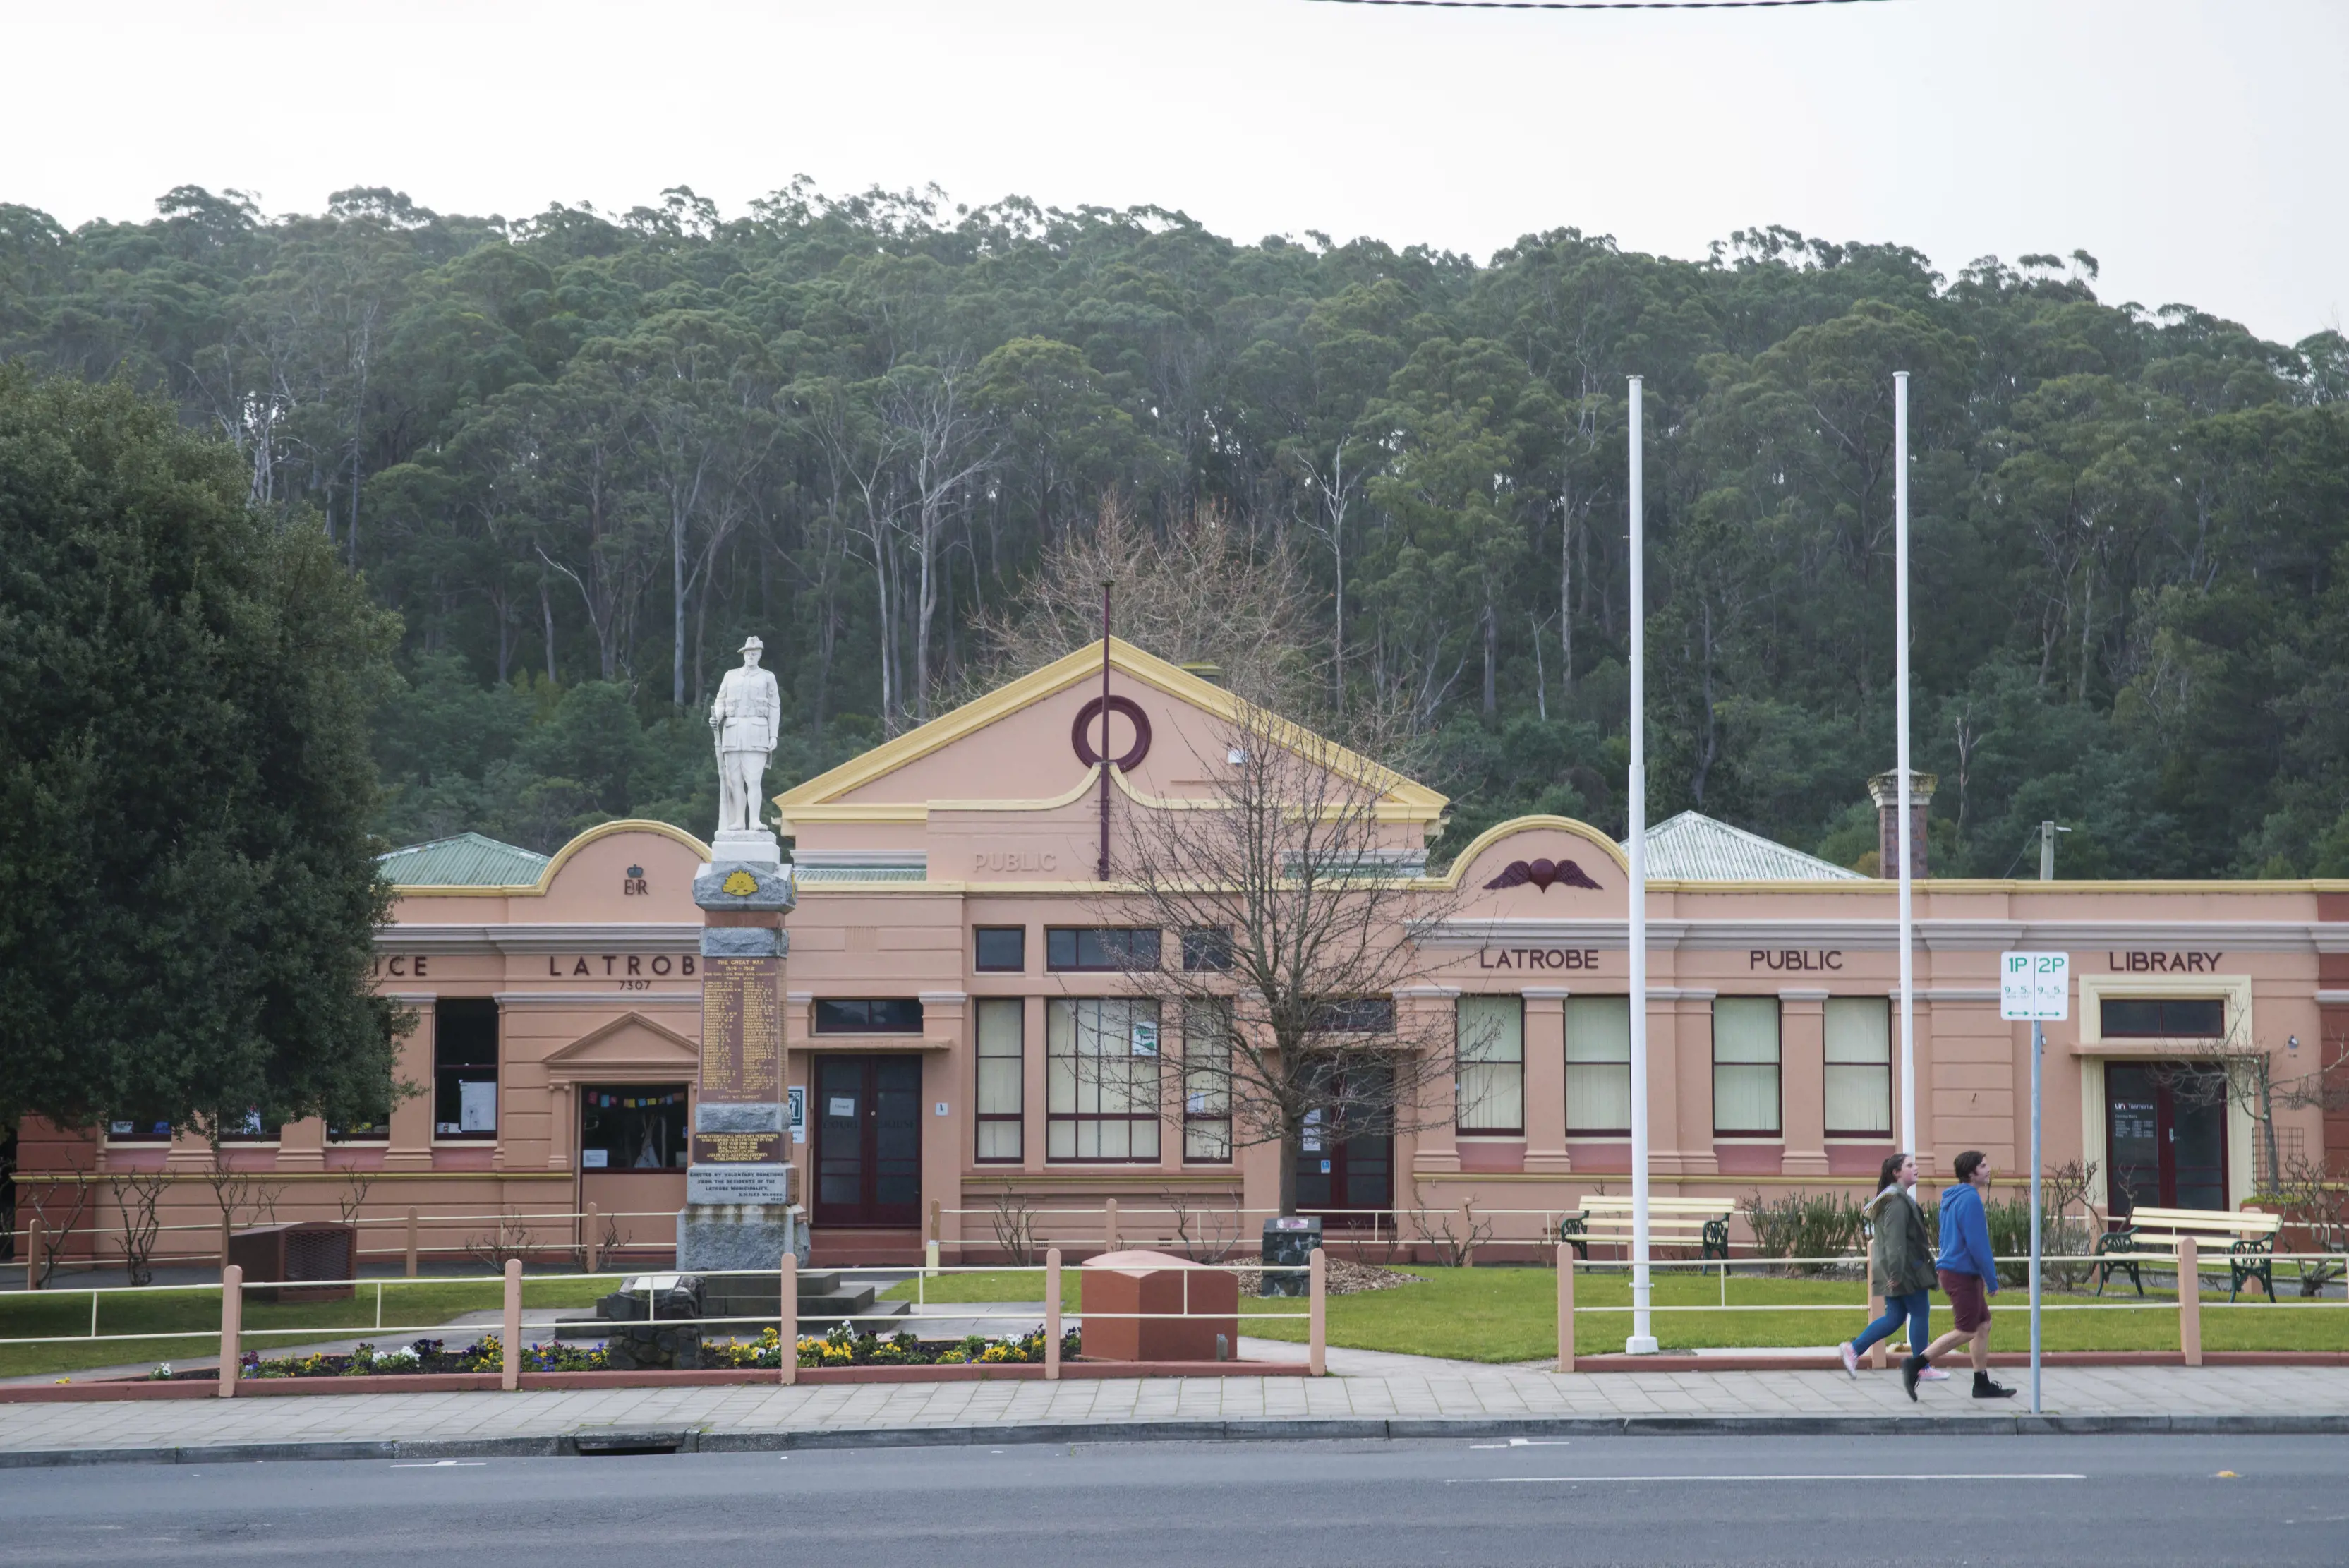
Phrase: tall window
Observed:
(1101, 1070)
(465, 1067)
(1000, 1067)
(1859, 1066)
(1100, 947)
(1491, 1095)
(1599, 1067)
(1745, 1067)
(1207, 1082)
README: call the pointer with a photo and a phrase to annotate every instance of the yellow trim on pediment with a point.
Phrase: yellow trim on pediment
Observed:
(818, 799)
(1515, 825)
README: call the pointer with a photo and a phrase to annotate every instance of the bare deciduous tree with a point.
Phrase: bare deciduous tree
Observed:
(58, 1204)
(1291, 902)
(138, 1200)
(2244, 1073)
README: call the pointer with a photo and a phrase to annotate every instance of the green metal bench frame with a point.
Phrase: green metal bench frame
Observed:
(1574, 1231)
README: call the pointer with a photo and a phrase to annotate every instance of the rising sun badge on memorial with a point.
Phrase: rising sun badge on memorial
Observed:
(739, 884)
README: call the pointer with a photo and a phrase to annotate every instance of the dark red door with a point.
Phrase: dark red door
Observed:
(868, 1140)
(2166, 1136)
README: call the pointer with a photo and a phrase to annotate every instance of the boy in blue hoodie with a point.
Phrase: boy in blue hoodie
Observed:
(1969, 1277)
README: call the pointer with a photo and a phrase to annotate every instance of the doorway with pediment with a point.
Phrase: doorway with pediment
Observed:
(622, 1102)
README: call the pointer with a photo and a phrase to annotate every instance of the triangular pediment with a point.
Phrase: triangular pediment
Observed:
(1011, 749)
(630, 1044)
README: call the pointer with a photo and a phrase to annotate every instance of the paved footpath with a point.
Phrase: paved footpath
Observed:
(1368, 1394)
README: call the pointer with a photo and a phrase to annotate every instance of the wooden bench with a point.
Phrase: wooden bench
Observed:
(2249, 1238)
(1671, 1220)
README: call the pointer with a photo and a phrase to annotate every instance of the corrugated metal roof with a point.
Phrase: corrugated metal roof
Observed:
(1694, 847)
(811, 874)
(468, 860)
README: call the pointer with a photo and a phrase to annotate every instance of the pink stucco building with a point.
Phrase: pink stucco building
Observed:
(944, 941)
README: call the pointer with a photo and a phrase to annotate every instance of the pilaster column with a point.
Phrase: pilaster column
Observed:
(1546, 1080)
(1680, 1088)
(301, 1146)
(409, 1146)
(1429, 1010)
(1801, 1082)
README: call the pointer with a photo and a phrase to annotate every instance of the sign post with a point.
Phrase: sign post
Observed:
(2038, 987)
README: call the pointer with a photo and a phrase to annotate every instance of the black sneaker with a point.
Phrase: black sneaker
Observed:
(1909, 1368)
(1986, 1389)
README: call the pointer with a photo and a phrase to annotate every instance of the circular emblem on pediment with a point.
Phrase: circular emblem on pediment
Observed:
(1080, 737)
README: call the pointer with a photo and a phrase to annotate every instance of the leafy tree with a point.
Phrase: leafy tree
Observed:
(188, 892)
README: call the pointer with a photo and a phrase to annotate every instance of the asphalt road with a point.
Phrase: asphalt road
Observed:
(1682, 1500)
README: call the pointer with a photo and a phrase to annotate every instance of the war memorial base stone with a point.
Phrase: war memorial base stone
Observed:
(740, 1211)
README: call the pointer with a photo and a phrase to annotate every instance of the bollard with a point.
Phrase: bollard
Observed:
(36, 1236)
(411, 1243)
(594, 1256)
(1565, 1307)
(1109, 1226)
(789, 1341)
(1317, 1332)
(1052, 1314)
(231, 1349)
(2189, 1300)
(1875, 1351)
(509, 1363)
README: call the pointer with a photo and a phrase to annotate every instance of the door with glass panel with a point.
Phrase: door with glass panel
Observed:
(1347, 1174)
(868, 1140)
(2166, 1136)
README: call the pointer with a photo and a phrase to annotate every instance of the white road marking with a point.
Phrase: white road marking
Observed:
(440, 1464)
(1528, 1443)
(1508, 1481)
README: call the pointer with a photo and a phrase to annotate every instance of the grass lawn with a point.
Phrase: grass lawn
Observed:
(406, 1303)
(1511, 1315)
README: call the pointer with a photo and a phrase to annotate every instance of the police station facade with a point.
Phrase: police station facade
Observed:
(947, 951)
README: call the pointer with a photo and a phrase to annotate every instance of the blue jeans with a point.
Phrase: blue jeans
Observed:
(1915, 1309)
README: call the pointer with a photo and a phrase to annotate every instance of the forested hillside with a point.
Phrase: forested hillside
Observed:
(582, 454)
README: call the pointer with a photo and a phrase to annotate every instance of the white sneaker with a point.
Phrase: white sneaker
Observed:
(1933, 1375)
(1850, 1359)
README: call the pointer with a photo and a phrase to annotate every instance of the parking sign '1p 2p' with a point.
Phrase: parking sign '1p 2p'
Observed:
(2035, 986)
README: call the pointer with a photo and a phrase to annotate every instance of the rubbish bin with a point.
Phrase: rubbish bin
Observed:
(1288, 1241)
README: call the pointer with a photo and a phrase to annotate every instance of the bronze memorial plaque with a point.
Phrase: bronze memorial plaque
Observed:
(737, 1148)
(741, 1030)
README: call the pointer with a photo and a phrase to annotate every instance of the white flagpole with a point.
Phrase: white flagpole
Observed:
(1901, 684)
(1642, 1340)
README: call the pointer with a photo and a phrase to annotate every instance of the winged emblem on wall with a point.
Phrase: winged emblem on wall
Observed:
(1541, 873)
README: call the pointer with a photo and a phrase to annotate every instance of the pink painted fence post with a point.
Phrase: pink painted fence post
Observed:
(790, 1332)
(510, 1364)
(231, 1349)
(1565, 1307)
(1052, 1314)
(1317, 1332)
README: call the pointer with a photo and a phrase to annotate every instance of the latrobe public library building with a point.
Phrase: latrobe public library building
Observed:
(949, 957)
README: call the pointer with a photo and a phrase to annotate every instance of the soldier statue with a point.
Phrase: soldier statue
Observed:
(744, 720)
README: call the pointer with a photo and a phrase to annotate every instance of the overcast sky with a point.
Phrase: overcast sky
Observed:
(2193, 148)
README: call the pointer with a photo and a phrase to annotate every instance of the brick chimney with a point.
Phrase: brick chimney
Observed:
(1884, 789)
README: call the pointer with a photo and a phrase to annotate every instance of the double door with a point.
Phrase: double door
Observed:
(1346, 1174)
(2165, 1135)
(868, 1140)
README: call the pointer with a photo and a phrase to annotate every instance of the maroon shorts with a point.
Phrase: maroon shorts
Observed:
(1967, 1303)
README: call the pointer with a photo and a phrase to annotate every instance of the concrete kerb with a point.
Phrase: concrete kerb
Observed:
(687, 1441)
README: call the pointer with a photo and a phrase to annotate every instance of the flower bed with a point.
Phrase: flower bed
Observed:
(840, 1347)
